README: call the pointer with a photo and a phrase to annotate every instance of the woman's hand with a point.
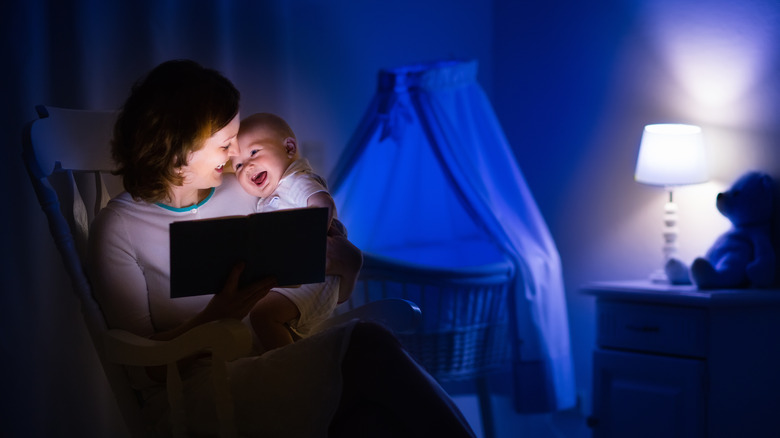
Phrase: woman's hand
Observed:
(345, 260)
(236, 302)
(231, 302)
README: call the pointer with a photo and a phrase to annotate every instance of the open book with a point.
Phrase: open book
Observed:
(286, 244)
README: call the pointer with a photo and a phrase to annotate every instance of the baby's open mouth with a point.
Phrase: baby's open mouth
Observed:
(259, 179)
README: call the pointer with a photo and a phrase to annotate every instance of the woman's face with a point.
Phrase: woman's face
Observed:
(204, 169)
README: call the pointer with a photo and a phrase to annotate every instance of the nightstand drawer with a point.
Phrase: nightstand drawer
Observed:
(658, 329)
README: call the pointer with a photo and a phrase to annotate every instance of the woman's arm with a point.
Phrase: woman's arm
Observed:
(120, 285)
(117, 280)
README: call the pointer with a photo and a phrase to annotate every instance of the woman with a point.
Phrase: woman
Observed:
(172, 139)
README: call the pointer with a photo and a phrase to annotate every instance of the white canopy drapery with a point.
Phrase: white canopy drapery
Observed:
(429, 178)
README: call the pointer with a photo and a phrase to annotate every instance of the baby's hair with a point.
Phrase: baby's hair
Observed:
(271, 121)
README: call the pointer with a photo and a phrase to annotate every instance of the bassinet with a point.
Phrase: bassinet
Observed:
(429, 189)
(463, 334)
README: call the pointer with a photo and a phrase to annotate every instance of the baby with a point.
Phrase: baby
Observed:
(269, 167)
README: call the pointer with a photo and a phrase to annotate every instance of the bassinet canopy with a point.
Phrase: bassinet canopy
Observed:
(429, 178)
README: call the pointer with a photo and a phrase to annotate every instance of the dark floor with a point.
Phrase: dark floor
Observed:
(563, 424)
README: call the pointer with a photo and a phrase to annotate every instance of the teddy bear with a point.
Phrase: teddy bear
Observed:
(743, 256)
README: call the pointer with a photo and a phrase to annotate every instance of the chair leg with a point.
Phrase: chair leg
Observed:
(485, 408)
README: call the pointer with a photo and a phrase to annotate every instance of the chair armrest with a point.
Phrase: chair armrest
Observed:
(227, 339)
(400, 316)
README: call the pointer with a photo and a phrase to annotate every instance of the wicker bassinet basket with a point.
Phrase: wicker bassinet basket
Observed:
(465, 321)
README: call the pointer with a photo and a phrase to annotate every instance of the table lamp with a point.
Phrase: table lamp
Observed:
(670, 155)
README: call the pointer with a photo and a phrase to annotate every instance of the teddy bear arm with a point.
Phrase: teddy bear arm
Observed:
(725, 272)
(731, 252)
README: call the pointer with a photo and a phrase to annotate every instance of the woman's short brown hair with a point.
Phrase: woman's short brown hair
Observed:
(169, 114)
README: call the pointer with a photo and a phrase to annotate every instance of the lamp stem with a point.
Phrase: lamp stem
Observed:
(669, 233)
(670, 229)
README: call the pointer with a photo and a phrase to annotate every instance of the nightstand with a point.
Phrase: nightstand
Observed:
(673, 361)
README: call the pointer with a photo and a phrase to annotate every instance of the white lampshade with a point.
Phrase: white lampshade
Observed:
(671, 155)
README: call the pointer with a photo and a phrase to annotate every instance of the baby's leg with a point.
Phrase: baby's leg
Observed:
(269, 318)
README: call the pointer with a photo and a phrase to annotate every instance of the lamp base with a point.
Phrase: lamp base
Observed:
(659, 276)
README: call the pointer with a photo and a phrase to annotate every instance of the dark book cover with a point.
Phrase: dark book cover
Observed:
(286, 244)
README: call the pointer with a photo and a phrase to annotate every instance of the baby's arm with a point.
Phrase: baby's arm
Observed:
(323, 199)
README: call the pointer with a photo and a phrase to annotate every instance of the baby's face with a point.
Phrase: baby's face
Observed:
(262, 160)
